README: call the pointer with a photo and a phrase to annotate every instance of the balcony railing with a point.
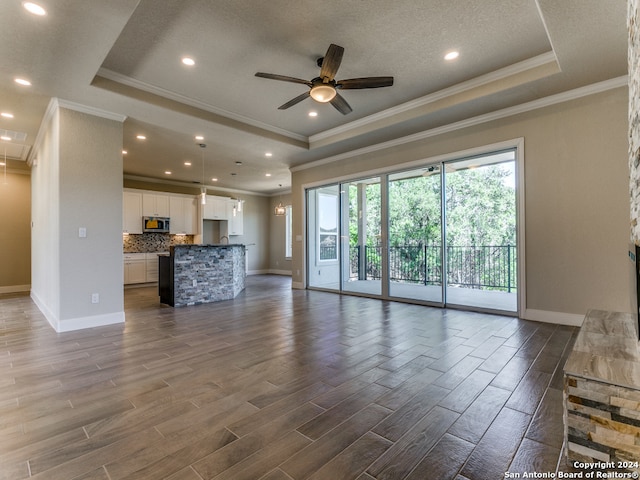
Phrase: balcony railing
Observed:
(491, 267)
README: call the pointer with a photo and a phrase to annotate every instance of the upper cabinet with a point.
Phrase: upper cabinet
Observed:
(215, 208)
(183, 212)
(155, 205)
(132, 212)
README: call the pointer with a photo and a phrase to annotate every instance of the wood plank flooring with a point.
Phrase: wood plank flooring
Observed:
(280, 384)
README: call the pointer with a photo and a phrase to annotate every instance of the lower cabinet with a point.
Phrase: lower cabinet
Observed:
(141, 267)
(135, 268)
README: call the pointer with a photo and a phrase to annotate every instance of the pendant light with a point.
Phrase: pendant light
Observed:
(280, 209)
(203, 189)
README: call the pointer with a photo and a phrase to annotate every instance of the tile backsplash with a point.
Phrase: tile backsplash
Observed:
(153, 242)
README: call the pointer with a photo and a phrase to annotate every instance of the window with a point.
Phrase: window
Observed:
(328, 226)
(288, 237)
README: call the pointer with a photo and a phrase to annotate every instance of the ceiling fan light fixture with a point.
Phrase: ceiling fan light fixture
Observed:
(323, 93)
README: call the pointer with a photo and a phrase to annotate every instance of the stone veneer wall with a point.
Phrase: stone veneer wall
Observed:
(603, 423)
(204, 274)
(153, 242)
(633, 23)
(602, 393)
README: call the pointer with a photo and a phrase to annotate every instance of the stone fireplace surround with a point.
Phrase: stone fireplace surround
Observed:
(602, 393)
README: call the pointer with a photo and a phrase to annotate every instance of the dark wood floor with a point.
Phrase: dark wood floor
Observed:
(280, 384)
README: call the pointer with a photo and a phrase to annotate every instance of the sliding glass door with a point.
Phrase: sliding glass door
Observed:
(441, 234)
(480, 212)
(415, 234)
(323, 251)
(362, 237)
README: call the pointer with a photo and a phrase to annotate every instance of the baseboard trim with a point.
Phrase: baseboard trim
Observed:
(557, 318)
(297, 285)
(280, 272)
(89, 322)
(15, 289)
(257, 272)
(48, 314)
(78, 323)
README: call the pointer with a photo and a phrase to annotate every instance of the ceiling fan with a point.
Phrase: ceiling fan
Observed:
(325, 88)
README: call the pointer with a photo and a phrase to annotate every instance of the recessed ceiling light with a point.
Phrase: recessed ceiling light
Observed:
(214, 179)
(124, 152)
(141, 137)
(34, 8)
(233, 174)
(268, 154)
(7, 114)
(188, 164)
(238, 163)
(167, 172)
(313, 114)
(188, 61)
(5, 138)
(452, 55)
(199, 137)
(22, 81)
(267, 174)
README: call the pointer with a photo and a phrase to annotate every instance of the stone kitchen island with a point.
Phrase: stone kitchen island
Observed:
(195, 274)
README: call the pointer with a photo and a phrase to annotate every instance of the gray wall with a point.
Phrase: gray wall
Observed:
(577, 202)
(77, 183)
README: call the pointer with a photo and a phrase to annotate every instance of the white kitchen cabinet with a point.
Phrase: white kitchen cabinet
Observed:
(215, 208)
(135, 268)
(236, 223)
(155, 205)
(183, 212)
(151, 263)
(131, 212)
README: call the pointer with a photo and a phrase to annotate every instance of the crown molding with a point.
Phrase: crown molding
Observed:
(569, 95)
(56, 103)
(486, 79)
(176, 97)
(96, 112)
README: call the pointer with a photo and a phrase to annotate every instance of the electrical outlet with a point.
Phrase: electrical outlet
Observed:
(82, 232)
(95, 298)
(195, 282)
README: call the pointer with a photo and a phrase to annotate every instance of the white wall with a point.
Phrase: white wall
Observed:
(45, 219)
(77, 183)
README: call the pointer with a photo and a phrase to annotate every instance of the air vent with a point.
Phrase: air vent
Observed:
(14, 136)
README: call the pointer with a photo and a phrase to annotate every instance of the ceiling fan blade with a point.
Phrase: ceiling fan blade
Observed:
(367, 82)
(331, 62)
(341, 104)
(293, 101)
(283, 78)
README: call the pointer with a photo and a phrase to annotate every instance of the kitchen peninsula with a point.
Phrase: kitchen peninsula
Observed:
(195, 274)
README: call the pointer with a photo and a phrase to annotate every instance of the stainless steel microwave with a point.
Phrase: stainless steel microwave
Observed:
(155, 224)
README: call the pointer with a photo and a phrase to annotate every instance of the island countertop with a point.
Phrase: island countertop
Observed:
(198, 273)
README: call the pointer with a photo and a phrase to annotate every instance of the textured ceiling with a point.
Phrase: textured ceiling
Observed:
(123, 56)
